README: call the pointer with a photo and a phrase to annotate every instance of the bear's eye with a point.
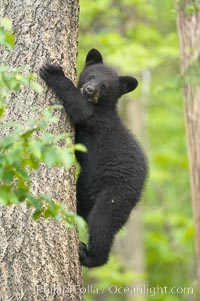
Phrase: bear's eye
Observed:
(90, 76)
(104, 87)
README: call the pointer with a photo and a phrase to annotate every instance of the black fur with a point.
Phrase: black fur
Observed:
(114, 169)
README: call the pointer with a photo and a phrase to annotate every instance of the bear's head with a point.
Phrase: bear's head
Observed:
(100, 84)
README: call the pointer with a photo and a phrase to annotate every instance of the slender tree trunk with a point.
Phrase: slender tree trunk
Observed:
(39, 260)
(189, 37)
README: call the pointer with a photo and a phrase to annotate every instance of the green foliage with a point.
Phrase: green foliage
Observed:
(190, 6)
(111, 25)
(13, 80)
(111, 274)
(22, 151)
(6, 35)
(25, 147)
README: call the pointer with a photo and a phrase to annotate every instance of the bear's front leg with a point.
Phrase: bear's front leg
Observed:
(53, 75)
(75, 105)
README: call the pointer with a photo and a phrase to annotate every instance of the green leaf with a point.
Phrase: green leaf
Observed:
(10, 124)
(49, 213)
(80, 148)
(35, 202)
(68, 225)
(32, 162)
(50, 156)
(9, 176)
(37, 87)
(21, 193)
(6, 24)
(6, 39)
(67, 157)
(80, 222)
(46, 197)
(7, 196)
(2, 109)
(59, 137)
(36, 149)
(10, 40)
(28, 133)
(37, 214)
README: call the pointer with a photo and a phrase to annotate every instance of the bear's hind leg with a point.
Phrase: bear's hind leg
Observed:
(105, 220)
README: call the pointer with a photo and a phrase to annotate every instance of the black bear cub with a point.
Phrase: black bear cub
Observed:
(114, 169)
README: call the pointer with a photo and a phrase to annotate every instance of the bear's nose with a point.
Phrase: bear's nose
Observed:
(90, 89)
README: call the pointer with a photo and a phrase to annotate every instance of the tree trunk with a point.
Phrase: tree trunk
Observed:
(39, 260)
(189, 37)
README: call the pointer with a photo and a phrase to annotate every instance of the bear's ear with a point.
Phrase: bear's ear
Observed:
(127, 84)
(93, 57)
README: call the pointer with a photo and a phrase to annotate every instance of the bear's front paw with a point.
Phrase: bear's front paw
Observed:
(50, 73)
(84, 256)
(83, 252)
(89, 260)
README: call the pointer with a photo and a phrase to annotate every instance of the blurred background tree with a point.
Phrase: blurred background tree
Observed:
(188, 22)
(139, 37)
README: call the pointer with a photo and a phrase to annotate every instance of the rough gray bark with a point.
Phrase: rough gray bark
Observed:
(189, 37)
(39, 260)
